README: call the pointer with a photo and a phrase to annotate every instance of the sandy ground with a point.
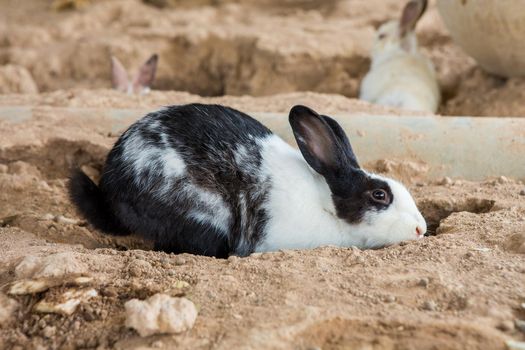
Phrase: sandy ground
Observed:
(463, 287)
(459, 289)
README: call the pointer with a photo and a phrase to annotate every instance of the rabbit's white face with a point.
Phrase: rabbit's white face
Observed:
(397, 35)
(400, 221)
(389, 40)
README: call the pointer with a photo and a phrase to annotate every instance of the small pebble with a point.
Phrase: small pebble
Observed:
(54, 265)
(138, 267)
(109, 292)
(157, 344)
(429, 305)
(44, 185)
(66, 221)
(180, 261)
(48, 217)
(42, 323)
(355, 250)
(505, 326)
(483, 250)
(520, 325)
(445, 228)
(390, 298)
(503, 180)
(423, 282)
(67, 303)
(179, 288)
(232, 259)
(445, 181)
(49, 331)
(359, 260)
(515, 345)
(164, 261)
(522, 192)
(24, 287)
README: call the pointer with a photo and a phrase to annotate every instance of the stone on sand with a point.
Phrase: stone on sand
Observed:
(55, 265)
(160, 314)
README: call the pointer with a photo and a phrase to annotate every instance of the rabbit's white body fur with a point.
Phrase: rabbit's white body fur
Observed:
(400, 76)
(298, 192)
(404, 80)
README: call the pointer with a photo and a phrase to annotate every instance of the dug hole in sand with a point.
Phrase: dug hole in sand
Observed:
(461, 288)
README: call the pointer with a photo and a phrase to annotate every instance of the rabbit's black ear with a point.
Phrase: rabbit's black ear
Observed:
(319, 144)
(315, 139)
(412, 12)
(343, 139)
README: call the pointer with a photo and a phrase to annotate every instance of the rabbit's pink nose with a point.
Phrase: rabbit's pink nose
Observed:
(420, 231)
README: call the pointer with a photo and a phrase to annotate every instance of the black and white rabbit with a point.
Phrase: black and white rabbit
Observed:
(210, 180)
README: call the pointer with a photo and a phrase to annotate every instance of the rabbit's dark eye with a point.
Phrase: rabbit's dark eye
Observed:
(380, 196)
(382, 36)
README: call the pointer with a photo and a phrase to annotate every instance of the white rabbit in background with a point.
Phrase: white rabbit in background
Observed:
(400, 76)
(141, 82)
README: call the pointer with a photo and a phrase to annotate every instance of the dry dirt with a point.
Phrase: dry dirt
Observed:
(463, 287)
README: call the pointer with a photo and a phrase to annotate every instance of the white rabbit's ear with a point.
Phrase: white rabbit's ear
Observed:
(119, 76)
(146, 74)
(412, 12)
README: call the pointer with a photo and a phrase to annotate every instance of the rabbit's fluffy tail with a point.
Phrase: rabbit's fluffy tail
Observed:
(91, 203)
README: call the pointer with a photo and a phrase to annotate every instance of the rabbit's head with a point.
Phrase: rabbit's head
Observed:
(375, 210)
(396, 35)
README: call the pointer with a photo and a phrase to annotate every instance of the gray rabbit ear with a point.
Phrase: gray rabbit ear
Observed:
(119, 76)
(146, 74)
(412, 12)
